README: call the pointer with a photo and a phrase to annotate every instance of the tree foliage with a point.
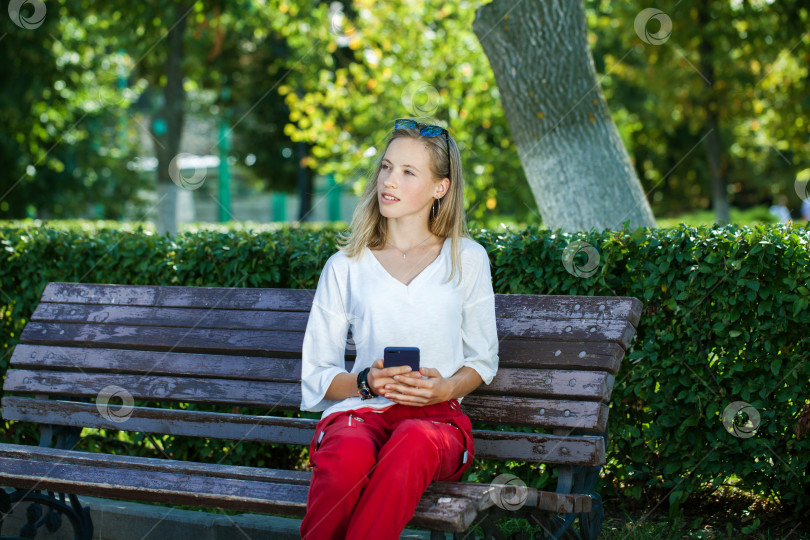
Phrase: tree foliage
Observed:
(335, 75)
(660, 97)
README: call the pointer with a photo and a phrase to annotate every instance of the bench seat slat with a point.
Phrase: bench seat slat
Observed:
(436, 511)
(214, 470)
(508, 305)
(479, 495)
(533, 447)
(118, 482)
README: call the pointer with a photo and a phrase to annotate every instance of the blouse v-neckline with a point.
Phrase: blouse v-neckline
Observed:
(417, 276)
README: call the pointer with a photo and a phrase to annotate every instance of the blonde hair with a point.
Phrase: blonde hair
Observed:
(369, 228)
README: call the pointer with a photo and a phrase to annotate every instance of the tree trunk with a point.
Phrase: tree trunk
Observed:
(574, 159)
(714, 142)
(305, 187)
(167, 143)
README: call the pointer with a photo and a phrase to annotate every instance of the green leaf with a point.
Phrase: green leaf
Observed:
(671, 467)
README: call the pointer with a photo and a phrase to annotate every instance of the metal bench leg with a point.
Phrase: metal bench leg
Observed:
(590, 525)
(51, 518)
(5, 508)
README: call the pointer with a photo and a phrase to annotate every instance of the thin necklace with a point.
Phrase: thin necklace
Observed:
(410, 248)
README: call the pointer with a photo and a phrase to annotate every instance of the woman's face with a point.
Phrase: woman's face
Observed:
(406, 175)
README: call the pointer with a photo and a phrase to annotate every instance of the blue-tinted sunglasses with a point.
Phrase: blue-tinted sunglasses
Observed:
(427, 130)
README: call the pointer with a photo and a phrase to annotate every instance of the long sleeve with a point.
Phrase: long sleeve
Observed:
(322, 356)
(479, 331)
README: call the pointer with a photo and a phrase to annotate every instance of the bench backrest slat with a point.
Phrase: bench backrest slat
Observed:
(512, 352)
(206, 335)
(509, 381)
(270, 396)
(547, 307)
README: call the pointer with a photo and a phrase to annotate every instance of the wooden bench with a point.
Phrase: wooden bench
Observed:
(241, 348)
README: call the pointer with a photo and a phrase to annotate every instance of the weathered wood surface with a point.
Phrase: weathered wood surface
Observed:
(481, 496)
(534, 447)
(517, 411)
(526, 324)
(592, 385)
(526, 354)
(478, 494)
(506, 305)
(135, 463)
(557, 354)
(504, 410)
(269, 395)
(252, 368)
(566, 503)
(172, 482)
(239, 339)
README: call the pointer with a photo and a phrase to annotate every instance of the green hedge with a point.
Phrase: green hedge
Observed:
(725, 320)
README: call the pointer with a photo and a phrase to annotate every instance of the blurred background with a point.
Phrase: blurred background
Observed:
(272, 111)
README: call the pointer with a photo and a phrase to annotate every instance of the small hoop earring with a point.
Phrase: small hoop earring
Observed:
(436, 207)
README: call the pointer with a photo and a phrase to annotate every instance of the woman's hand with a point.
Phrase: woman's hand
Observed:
(415, 388)
(378, 376)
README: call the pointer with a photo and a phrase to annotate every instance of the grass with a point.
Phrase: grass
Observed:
(749, 216)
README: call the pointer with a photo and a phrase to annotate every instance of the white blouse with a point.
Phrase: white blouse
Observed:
(453, 324)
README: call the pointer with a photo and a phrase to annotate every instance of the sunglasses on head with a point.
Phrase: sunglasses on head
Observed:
(427, 130)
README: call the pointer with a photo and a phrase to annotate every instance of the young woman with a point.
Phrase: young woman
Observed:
(408, 274)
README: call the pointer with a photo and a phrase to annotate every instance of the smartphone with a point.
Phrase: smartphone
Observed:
(401, 356)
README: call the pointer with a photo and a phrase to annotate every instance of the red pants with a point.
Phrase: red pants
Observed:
(371, 468)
